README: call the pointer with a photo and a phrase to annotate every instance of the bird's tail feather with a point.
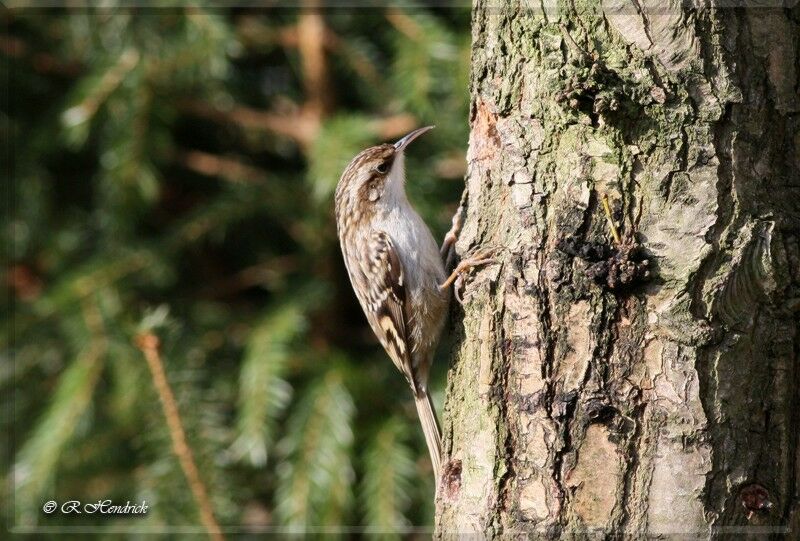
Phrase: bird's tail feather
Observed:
(430, 427)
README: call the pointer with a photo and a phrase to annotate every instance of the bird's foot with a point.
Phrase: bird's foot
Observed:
(483, 257)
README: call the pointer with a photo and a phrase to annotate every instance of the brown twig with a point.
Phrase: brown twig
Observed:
(393, 126)
(298, 127)
(311, 36)
(149, 344)
(217, 166)
(404, 24)
(257, 35)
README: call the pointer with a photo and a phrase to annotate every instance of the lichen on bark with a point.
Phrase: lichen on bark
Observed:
(573, 408)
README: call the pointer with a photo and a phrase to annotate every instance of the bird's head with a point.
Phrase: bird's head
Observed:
(375, 177)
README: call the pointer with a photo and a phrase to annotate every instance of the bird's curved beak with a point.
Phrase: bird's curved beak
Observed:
(403, 143)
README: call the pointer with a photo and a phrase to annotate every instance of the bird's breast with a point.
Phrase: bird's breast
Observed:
(416, 247)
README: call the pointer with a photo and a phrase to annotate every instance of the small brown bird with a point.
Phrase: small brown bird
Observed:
(396, 269)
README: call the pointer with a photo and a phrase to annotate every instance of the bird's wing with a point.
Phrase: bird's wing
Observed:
(385, 302)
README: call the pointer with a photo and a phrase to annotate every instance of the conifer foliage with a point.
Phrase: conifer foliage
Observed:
(172, 173)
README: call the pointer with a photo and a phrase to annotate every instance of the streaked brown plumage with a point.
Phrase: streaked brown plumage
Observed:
(395, 268)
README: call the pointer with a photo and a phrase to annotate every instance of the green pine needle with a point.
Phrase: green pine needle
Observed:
(40, 455)
(263, 393)
(388, 476)
(315, 474)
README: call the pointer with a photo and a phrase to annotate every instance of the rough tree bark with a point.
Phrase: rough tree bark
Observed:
(585, 400)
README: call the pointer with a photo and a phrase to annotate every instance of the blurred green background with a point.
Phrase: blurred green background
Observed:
(172, 171)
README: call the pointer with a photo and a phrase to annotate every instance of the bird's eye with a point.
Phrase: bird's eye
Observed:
(382, 167)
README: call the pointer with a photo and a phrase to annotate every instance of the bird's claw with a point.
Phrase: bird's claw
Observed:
(456, 278)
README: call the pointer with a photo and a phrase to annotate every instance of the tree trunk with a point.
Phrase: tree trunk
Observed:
(598, 386)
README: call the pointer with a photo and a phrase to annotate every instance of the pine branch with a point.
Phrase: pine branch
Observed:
(256, 35)
(360, 63)
(149, 344)
(217, 166)
(119, 220)
(263, 393)
(315, 473)
(99, 88)
(388, 474)
(298, 127)
(41, 454)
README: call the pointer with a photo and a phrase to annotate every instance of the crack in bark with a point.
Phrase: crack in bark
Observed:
(561, 452)
(725, 216)
(634, 443)
(645, 20)
(509, 445)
